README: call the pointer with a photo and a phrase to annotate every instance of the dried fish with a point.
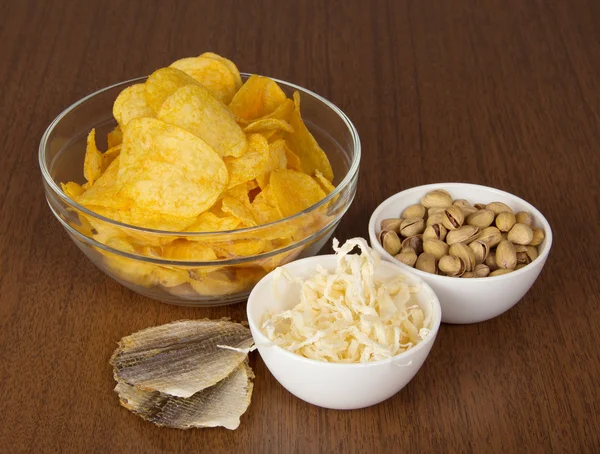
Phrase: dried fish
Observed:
(181, 358)
(219, 405)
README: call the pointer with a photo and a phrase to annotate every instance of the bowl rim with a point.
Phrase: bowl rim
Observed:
(321, 259)
(346, 181)
(538, 216)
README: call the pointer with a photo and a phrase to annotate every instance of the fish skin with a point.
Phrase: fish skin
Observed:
(180, 358)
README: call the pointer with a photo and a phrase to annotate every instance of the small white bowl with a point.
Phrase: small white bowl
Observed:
(469, 300)
(334, 385)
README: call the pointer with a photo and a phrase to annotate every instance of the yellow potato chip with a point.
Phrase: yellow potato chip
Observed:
(264, 209)
(293, 161)
(131, 103)
(267, 125)
(236, 74)
(306, 147)
(217, 283)
(92, 163)
(277, 160)
(128, 269)
(239, 210)
(104, 192)
(294, 191)
(72, 189)
(168, 170)
(115, 137)
(195, 109)
(162, 83)
(250, 165)
(153, 220)
(109, 156)
(213, 73)
(241, 248)
(283, 111)
(323, 182)
(182, 249)
(209, 222)
(258, 97)
(168, 277)
(241, 192)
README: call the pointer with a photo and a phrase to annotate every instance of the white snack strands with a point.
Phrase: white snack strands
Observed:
(348, 316)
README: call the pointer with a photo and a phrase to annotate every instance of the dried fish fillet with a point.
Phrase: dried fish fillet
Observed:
(181, 358)
(219, 405)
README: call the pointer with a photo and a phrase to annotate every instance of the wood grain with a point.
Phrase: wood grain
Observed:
(499, 92)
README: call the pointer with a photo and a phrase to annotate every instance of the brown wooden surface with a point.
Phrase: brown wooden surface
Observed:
(501, 92)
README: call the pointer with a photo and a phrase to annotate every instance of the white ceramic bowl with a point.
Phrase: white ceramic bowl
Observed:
(469, 300)
(334, 385)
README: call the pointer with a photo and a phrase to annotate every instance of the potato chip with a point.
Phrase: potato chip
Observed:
(323, 182)
(264, 209)
(302, 142)
(195, 109)
(162, 83)
(182, 249)
(92, 163)
(128, 269)
(216, 283)
(213, 73)
(210, 222)
(253, 163)
(294, 191)
(239, 210)
(169, 170)
(241, 248)
(115, 137)
(131, 103)
(168, 277)
(267, 125)
(234, 70)
(283, 112)
(277, 160)
(258, 97)
(241, 192)
(293, 161)
(72, 189)
(104, 192)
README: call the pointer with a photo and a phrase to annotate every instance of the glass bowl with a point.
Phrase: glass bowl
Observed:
(206, 282)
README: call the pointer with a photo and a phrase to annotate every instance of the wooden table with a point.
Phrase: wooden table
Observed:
(503, 93)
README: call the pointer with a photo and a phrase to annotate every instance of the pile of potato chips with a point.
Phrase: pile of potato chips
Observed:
(195, 150)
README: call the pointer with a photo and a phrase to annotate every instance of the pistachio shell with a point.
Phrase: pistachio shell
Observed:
(532, 253)
(523, 258)
(538, 236)
(414, 211)
(498, 207)
(465, 207)
(414, 242)
(464, 234)
(520, 234)
(408, 256)
(436, 198)
(500, 271)
(435, 210)
(426, 262)
(465, 253)
(490, 261)
(505, 221)
(412, 226)
(436, 247)
(481, 218)
(453, 218)
(391, 224)
(434, 232)
(390, 242)
(469, 274)
(435, 218)
(491, 235)
(506, 256)
(480, 249)
(451, 265)
(481, 270)
(480, 206)
(523, 217)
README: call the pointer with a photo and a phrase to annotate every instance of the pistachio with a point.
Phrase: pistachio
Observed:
(391, 224)
(436, 247)
(468, 274)
(436, 198)
(434, 232)
(490, 261)
(453, 218)
(480, 249)
(491, 235)
(520, 248)
(426, 262)
(435, 210)
(414, 242)
(532, 253)
(520, 234)
(520, 265)
(538, 236)
(481, 270)
(498, 207)
(481, 218)
(435, 218)
(523, 258)
(412, 226)
(480, 206)
(465, 253)
(465, 207)
(407, 255)
(506, 256)
(451, 265)
(505, 221)
(464, 234)
(523, 217)
(414, 211)
(390, 241)
(500, 271)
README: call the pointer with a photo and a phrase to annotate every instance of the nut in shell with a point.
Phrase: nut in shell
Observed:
(491, 235)
(451, 265)
(481, 270)
(505, 221)
(480, 249)
(435, 247)
(506, 255)
(412, 226)
(464, 234)
(538, 236)
(523, 217)
(408, 256)
(414, 242)
(465, 207)
(523, 258)
(426, 262)
(453, 218)
(391, 224)
(500, 272)
(468, 275)
(436, 199)
(434, 232)
(520, 234)
(436, 218)
(532, 253)
(481, 218)
(390, 242)
(414, 211)
(490, 261)
(480, 206)
(498, 207)
(465, 253)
